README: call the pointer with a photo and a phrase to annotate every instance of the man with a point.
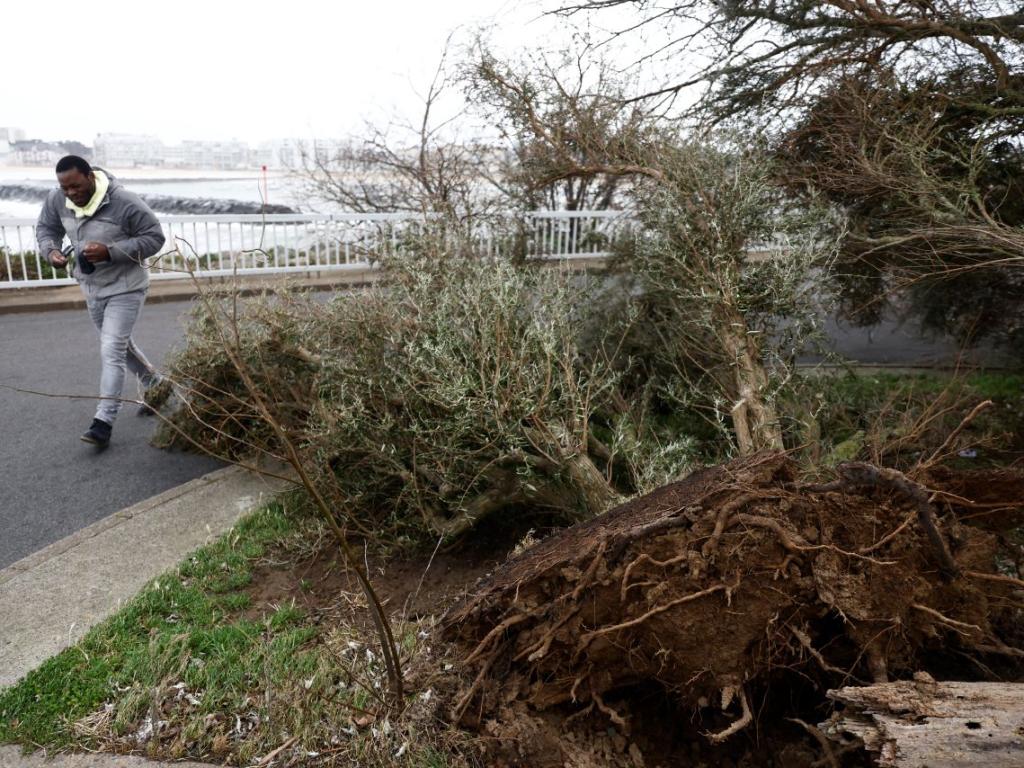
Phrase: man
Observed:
(112, 233)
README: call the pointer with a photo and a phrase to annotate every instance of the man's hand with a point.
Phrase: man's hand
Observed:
(57, 258)
(95, 252)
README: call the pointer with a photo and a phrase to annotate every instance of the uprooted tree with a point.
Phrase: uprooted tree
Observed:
(738, 594)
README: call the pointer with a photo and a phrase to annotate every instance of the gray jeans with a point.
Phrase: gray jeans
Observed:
(115, 318)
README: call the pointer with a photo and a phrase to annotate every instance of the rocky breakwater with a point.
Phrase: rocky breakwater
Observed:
(160, 203)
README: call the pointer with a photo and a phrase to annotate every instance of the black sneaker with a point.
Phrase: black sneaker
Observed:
(98, 433)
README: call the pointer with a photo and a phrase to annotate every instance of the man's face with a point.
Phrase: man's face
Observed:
(78, 187)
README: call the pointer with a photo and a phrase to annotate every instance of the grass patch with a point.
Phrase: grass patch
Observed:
(189, 668)
(179, 623)
(895, 419)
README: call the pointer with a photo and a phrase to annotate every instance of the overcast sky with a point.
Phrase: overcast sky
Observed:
(223, 69)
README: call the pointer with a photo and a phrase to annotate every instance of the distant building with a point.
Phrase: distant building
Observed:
(7, 135)
(126, 150)
(11, 135)
(289, 154)
(35, 152)
(280, 154)
(218, 155)
(174, 156)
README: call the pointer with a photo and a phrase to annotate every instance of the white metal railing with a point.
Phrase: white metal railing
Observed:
(275, 243)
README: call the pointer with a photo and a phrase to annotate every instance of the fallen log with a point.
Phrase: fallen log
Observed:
(912, 724)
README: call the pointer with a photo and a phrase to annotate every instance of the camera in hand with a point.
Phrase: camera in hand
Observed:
(84, 265)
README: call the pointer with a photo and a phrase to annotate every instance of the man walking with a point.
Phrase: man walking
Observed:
(112, 233)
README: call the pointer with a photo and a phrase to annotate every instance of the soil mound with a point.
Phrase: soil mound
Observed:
(695, 620)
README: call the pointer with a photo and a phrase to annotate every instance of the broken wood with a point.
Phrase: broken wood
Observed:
(920, 722)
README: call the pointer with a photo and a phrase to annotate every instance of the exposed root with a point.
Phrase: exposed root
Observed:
(744, 720)
(782, 569)
(626, 604)
(585, 675)
(588, 575)
(804, 639)
(1002, 649)
(861, 475)
(823, 742)
(888, 537)
(511, 621)
(467, 697)
(586, 639)
(795, 545)
(580, 714)
(640, 560)
(722, 521)
(997, 577)
(614, 716)
(541, 647)
(959, 626)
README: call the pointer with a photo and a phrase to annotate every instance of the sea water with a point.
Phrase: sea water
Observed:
(282, 188)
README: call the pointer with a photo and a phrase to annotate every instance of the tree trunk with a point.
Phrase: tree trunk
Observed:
(596, 492)
(918, 723)
(755, 421)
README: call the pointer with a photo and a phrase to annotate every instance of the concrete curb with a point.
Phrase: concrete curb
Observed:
(50, 599)
(118, 518)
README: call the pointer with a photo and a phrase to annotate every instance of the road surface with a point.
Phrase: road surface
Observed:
(51, 483)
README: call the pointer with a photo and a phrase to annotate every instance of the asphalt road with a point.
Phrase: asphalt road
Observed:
(902, 344)
(51, 483)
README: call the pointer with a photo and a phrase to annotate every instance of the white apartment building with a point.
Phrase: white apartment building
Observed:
(126, 150)
(221, 155)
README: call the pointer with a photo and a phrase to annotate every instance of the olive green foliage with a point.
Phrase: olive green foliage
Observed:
(454, 389)
(727, 272)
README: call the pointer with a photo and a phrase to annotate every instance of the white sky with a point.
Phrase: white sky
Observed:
(220, 69)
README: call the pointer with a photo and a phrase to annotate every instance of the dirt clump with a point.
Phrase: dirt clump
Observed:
(704, 623)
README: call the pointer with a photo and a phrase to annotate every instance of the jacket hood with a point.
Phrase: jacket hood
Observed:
(110, 177)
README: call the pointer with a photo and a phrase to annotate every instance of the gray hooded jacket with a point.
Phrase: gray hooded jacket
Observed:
(123, 223)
